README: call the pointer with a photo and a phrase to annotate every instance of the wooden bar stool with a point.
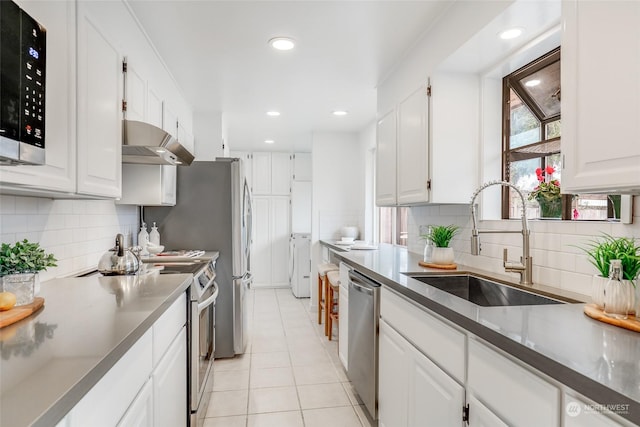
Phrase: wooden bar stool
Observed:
(323, 269)
(333, 288)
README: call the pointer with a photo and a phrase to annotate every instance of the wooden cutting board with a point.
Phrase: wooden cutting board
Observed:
(18, 313)
(594, 312)
(440, 266)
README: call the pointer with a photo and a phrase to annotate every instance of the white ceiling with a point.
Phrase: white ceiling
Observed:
(218, 53)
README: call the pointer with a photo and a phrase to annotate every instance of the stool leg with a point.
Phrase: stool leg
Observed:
(330, 311)
(327, 305)
(319, 299)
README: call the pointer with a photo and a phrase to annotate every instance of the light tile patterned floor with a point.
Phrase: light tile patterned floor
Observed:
(290, 376)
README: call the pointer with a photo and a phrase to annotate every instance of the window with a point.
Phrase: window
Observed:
(393, 225)
(532, 130)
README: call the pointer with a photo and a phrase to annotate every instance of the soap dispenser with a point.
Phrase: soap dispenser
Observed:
(143, 239)
(154, 235)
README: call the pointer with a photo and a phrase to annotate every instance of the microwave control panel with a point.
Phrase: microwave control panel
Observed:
(22, 84)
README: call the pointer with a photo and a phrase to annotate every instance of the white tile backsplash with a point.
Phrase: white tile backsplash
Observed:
(77, 232)
(555, 245)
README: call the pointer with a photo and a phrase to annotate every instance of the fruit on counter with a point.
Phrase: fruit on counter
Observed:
(7, 301)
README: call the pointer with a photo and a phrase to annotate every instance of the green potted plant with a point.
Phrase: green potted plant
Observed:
(19, 266)
(441, 236)
(601, 251)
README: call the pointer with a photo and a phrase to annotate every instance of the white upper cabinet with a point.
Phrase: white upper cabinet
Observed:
(280, 174)
(169, 120)
(136, 93)
(454, 136)
(600, 96)
(59, 171)
(302, 167)
(271, 174)
(386, 160)
(99, 109)
(413, 148)
(154, 107)
(261, 179)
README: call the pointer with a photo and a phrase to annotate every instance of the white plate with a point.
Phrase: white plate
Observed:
(363, 247)
(341, 243)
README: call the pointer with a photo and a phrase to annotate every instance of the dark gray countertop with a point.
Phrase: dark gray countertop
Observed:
(51, 359)
(598, 360)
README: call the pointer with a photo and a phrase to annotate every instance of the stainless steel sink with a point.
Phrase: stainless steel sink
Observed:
(484, 292)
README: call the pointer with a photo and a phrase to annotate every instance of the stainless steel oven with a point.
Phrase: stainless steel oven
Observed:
(201, 329)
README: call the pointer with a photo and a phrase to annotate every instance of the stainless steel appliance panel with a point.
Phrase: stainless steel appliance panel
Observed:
(213, 212)
(364, 312)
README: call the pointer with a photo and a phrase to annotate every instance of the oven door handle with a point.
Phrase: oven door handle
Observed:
(211, 300)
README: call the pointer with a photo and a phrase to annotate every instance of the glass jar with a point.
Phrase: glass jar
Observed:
(428, 247)
(22, 285)
(619, 294)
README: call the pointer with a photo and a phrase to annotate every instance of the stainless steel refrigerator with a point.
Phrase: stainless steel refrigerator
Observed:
(213, 213)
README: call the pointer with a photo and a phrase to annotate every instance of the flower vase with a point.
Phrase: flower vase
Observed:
(550, 208)
(442, 256)
(22, 285)
(597, 290)
(619, 298)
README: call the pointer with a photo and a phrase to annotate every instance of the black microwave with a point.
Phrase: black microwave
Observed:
(22, 87)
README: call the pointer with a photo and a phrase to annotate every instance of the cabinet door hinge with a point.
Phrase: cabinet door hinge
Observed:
(429, 90)
(124, 105)
(124, 66)
(428, 184)
(465, 413)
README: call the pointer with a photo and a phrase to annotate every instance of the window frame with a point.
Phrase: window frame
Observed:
(512, 81)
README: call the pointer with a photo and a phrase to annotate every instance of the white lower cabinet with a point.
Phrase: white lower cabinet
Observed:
(147, 386)
(516, 395)
(414, 391)
(140, 413)
(578, 413)
(170, 385)
(481, 416)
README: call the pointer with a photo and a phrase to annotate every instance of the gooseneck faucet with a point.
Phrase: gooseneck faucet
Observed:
(525, 266)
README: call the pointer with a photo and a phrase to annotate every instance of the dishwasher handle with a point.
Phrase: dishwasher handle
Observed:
(360, 288)
(360, 283)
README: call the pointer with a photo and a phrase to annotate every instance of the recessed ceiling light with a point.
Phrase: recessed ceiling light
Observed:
(273, 113)
(282, 43)
(340, 113)
(160, 150)
(269, 141)
(511, 33)
(532, 83)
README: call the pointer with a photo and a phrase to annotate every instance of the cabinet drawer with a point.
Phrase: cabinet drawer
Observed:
(515, 394)
(108, 400)
(168, 326)
(443, 344)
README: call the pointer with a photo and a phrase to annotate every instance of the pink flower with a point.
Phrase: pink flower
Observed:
(539, 172)
(540, 178)
(550, 170)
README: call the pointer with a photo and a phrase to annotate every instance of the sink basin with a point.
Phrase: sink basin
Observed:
(484, 292)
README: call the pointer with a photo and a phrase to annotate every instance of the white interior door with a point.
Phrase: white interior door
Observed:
(261, 249)
(280, 232)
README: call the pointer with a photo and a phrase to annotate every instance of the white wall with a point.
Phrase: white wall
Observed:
(367, 140)
(77, 232)
(436, 45)
(557, 262)
(338, 167)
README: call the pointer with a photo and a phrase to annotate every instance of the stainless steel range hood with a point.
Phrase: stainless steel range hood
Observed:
(150, 145)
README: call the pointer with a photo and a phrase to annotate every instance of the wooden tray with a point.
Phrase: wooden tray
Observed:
(596, 313)
(440, 266)
(18, 313)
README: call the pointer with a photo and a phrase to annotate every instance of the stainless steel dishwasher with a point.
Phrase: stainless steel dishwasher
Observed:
(364, 313)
